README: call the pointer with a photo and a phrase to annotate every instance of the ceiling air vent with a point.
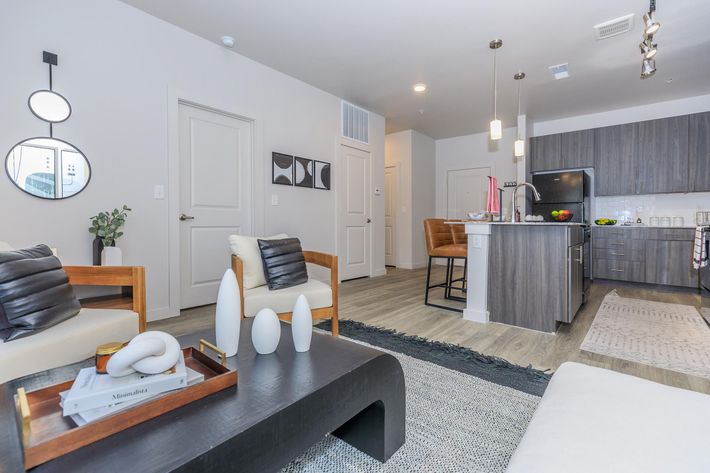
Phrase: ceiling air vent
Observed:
(355, 123)
(560, 71)
(614, 27)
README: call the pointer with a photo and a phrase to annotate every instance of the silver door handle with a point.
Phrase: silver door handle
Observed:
(184, 217)
(618, 254)
(617, 270)
(581, 255)
(369, 220)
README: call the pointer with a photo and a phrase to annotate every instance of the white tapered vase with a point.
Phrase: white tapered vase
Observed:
(228, 314)
(266, 332)
(302, 325)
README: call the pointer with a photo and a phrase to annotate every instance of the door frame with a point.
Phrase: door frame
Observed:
(175, 98)
(365, 148)
(395, 211)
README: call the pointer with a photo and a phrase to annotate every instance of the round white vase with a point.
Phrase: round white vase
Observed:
(266, 332)
(111, 256)
(302, 325)
(228, 314)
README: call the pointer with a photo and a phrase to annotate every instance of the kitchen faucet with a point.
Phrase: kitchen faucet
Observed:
(514, 207)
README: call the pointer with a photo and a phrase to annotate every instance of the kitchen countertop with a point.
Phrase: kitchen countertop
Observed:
(639, 226)
(556, 224)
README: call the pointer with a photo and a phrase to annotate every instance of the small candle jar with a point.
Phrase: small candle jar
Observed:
(103, 353)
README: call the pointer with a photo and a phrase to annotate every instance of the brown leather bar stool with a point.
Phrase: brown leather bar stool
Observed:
(458, 234)
(440, 244)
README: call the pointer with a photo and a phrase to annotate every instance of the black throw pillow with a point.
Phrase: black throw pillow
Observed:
(284, 264)
(34, 292)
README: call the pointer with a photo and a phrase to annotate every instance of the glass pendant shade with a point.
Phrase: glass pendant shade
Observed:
(648, 68)
(49, 106)
(519, 148)
(496, 129)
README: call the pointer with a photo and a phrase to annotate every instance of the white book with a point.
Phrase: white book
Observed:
(91, 415)
(92, 390)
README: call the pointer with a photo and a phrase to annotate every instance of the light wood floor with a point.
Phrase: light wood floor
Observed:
(396, 301)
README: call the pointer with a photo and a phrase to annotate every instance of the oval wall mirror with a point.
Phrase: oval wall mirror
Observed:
(48, 168)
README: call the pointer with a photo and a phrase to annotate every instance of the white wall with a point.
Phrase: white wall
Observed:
(474, 151)
(414, 153)
(119, 67)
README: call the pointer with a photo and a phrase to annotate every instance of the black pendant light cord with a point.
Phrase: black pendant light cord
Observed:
(652, 6)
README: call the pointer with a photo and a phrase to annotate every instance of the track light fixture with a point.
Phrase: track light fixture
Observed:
(496, 125)
(648, 47)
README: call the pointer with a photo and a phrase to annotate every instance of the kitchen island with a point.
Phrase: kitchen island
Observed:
(527, 274)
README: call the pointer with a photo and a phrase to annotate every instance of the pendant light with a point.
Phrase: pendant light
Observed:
(496, 125)
(519, 146)
(648, 47)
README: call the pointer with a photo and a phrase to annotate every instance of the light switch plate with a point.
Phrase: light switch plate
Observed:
(378, 191)
(274, 199)
(159, 192)
(476, 240)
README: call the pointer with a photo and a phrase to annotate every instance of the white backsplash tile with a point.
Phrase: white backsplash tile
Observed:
(656, 205)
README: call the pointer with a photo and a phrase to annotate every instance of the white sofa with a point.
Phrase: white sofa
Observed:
(76, 339)
(593, 420)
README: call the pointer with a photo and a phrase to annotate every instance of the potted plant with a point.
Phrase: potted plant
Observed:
(106, 226)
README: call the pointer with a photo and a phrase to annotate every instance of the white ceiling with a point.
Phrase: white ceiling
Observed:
(371, 52)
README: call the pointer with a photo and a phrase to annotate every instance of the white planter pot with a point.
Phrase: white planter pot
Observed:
(228, 314)
(266, 332)
(111, 256)
(302, 325)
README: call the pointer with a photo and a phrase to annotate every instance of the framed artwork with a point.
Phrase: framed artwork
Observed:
(321, 175)
(282, 169)
(303, 172)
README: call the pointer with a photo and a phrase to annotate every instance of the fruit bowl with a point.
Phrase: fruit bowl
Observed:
(562, 215)
(605, 221)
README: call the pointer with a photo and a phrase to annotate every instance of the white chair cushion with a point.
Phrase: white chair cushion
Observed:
(593, 420)
(73, 340)
(247, 248)
(317, 292)
(5, 247)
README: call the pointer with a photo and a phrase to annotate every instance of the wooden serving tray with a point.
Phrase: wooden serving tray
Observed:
(47, 434)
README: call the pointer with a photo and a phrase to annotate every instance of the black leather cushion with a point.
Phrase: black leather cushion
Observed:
(284, 264)
(34, 292)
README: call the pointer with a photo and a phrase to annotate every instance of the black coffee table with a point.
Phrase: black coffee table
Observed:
(284, 403)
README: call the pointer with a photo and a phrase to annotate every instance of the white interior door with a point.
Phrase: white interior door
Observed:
(467, 191)
(391, 194)
(215, 197)
(355, 221)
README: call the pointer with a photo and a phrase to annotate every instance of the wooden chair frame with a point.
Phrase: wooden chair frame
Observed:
(314, 257)
(124, 276)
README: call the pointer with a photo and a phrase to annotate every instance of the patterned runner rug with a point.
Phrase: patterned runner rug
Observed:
(669, 336)
(456, 422)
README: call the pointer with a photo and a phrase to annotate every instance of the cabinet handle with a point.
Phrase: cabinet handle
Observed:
(618, 254)
(617, 270)
(618, 243)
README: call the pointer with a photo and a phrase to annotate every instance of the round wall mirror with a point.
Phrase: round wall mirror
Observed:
(48, 168)
(49, 106)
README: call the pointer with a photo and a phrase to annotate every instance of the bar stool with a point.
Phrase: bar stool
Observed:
(458, 234)
(440, 244)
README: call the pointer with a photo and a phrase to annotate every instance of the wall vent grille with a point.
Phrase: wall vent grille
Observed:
(615, 27)
(355, 123)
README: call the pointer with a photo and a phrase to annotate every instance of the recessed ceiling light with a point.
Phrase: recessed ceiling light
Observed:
(419, 88)
(228, 41)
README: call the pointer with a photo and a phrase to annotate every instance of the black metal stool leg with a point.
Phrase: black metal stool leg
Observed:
(428, 279)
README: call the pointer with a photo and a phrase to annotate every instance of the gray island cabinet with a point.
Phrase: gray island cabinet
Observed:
(524, 274)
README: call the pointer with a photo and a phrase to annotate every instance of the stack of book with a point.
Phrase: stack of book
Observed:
(93, 395)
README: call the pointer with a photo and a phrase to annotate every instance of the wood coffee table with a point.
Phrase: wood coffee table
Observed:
(284, 403)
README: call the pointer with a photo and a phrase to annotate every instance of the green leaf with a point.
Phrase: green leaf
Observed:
(92, 230)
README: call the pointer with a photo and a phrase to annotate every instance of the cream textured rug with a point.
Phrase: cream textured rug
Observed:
(669, 336)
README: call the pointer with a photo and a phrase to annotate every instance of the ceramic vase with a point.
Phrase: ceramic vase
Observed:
(228, 314)
(266, 332)
(111, 256)
(302, 325)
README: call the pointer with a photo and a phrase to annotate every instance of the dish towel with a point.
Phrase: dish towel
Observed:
(493, 203)
(700, 250)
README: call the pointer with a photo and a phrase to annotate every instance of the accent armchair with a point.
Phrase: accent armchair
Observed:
(322, 297)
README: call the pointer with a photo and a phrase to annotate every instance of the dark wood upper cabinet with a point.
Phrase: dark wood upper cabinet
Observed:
(662, 155)
(546, 153)
(615, 152)
(577, 149)
(699, 151)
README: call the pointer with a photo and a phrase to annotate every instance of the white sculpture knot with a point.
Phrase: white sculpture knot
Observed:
(148, 353)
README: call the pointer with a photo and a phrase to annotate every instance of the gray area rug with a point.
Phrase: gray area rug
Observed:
(668, 336)
(455, 423)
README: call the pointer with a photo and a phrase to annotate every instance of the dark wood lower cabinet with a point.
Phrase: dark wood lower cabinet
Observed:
(646, 255)
(669, 262)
